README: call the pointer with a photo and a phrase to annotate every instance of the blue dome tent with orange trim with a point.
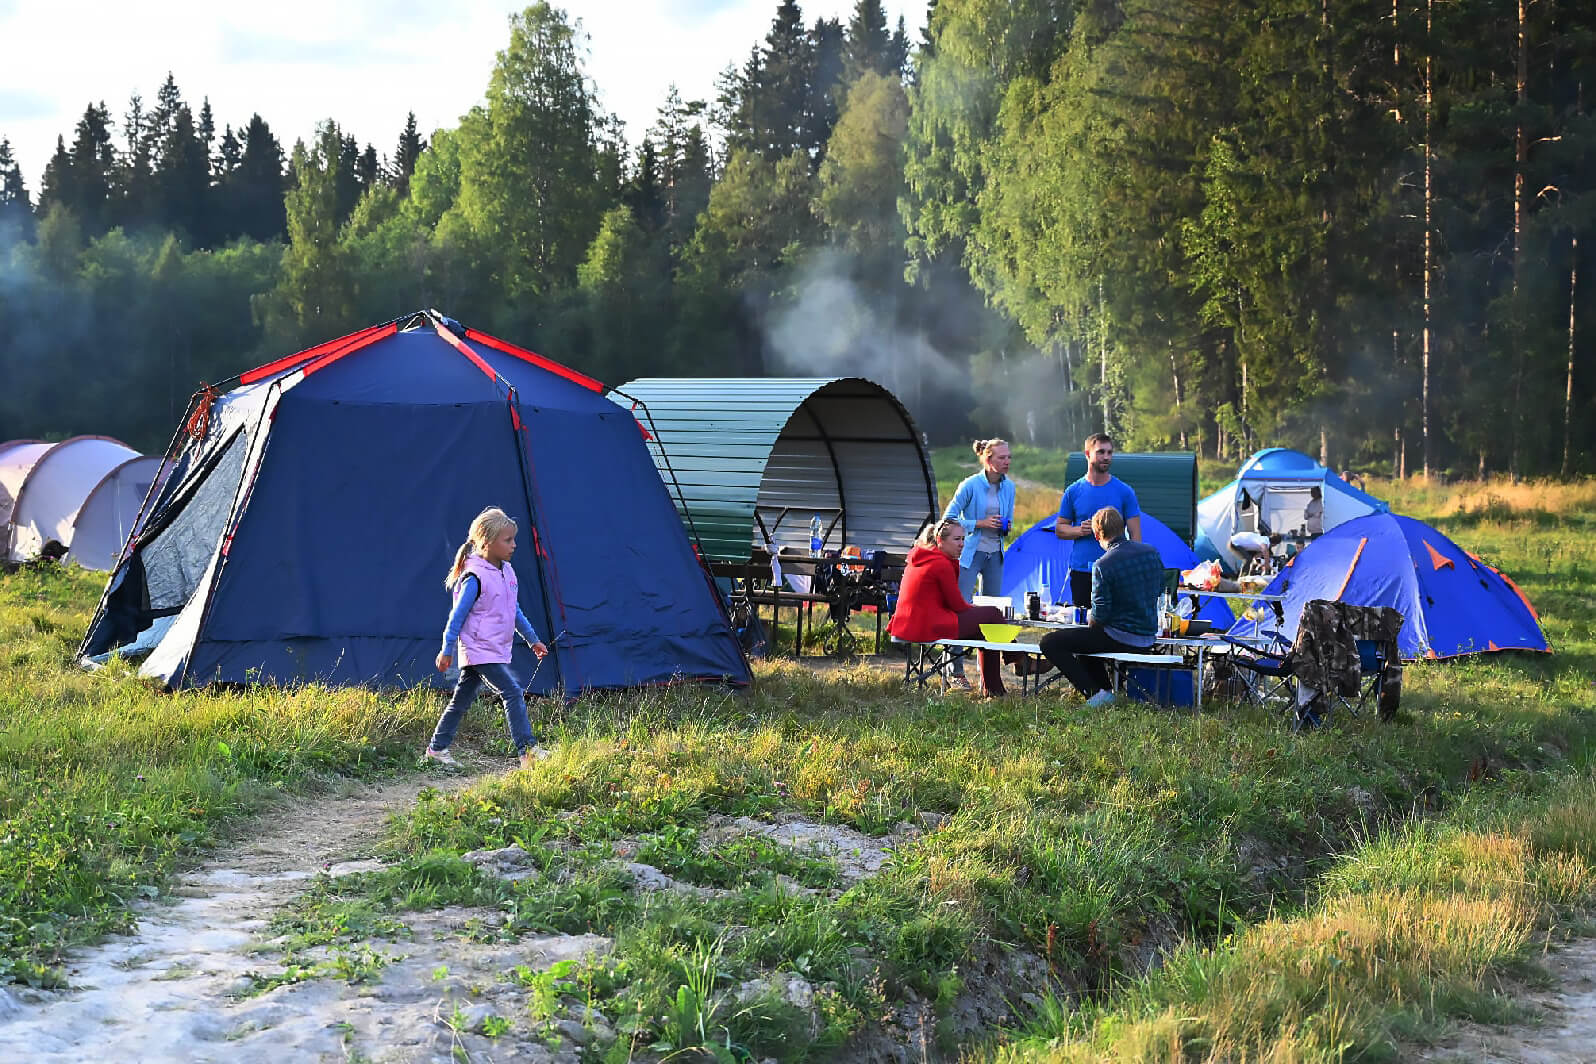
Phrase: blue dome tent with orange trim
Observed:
(1453, 602)
(312, 505)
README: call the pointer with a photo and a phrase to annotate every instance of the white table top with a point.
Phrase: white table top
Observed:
(1249, 596)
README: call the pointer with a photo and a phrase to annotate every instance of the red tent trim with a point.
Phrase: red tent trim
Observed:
(307, 355)
(361, 340)
(461, 346)
(536, 359)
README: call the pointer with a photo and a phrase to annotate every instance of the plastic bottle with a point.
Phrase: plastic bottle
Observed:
(816, 540)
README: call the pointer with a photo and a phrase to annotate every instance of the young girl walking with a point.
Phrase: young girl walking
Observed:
(485, 619)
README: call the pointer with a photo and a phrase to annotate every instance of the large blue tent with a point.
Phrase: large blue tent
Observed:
(1269, 494)
(1452, 602)
(310, 513)
(1038, 560)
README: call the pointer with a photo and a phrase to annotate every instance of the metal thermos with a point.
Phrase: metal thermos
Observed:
(1033, 605)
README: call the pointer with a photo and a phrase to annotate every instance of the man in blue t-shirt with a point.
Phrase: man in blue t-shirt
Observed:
(1097, 489)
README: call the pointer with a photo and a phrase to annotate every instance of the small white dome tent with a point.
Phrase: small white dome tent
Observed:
(16, 459)
(106, 518)
(1269, 493)
(58, 478)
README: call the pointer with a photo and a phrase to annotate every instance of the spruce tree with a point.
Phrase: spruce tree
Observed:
(869, 43)
(16, 212)
(409, 149)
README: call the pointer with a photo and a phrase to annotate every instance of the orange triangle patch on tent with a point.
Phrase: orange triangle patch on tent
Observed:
(1439, 560)
(1490, 644)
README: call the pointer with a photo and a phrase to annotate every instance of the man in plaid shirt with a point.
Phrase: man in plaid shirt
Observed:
(1126, 583)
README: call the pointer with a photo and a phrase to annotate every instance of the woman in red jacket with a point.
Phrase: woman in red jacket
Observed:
(931, 608)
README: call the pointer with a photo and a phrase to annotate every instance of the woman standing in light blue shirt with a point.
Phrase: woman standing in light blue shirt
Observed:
(984, 505)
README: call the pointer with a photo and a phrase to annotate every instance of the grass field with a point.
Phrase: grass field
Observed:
(1323, 896)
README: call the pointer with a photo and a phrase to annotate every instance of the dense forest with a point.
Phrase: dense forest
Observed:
(1356, 227)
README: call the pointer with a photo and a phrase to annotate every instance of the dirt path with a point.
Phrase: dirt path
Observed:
(1565, 1035)
(180, 989)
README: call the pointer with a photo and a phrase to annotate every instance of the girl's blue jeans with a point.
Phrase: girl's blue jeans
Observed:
(502, 682)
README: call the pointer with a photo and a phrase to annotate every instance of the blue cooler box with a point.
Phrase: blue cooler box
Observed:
(1168, 687)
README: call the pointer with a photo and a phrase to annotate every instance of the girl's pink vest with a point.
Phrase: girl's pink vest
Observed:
(489, 629)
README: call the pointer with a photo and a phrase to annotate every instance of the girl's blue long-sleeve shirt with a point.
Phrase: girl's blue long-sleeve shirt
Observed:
(470, 587)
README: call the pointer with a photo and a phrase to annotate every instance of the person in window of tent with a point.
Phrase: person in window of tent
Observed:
(1127, 579)
(1097, 489)
(1313, 513)
(984, 506)
(484, 621)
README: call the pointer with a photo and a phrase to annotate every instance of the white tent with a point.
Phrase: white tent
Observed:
(106, 518)
(54, 481)
(16, 461)
(1268, 495)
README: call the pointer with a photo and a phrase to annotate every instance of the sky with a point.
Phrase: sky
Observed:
(363, 63)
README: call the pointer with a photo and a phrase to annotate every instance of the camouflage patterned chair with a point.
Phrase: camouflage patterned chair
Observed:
(1344, 655)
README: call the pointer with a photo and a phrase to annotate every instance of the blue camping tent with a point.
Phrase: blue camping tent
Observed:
(1038, 560)
(311, 512)
(1452, 602)
(1269, 493)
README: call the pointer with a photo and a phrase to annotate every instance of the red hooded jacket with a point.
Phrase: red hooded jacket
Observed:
(929, 602)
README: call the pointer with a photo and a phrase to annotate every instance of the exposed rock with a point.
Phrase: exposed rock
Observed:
(511, 863)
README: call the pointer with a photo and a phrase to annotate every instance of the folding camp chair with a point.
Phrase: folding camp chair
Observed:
(1379, 679)
(1343, 655)
(1260, 671)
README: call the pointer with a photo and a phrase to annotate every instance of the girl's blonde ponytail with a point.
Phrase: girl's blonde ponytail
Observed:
(458, 568)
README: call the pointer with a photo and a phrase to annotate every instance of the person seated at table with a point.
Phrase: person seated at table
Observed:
(1126, 583)
(930, 607)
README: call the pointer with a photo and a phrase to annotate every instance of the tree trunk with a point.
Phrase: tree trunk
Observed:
(1568, 386)
(1429, 262)
(1520, 155)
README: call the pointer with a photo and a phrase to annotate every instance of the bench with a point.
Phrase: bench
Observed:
(925, 660)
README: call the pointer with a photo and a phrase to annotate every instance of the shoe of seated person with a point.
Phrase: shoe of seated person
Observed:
(958, 683)
(1101, 698)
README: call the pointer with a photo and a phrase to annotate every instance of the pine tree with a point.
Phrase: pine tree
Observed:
(869, 44)
(405, 155)
(16, 212)
(93, 172)
(182, 180)
(369, 169)
(255, 189)
(56, 189)
(136, 174)
(827, 84)
(168, 100)
(346, 171)
(206, 128)
(781, 93)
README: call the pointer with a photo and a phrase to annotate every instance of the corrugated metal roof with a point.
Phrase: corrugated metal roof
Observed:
(793, 446)
(1165, 485)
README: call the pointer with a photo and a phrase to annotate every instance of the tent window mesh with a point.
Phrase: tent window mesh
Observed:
(175, 559)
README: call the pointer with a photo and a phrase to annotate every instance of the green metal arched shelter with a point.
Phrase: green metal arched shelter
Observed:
(751, 458)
